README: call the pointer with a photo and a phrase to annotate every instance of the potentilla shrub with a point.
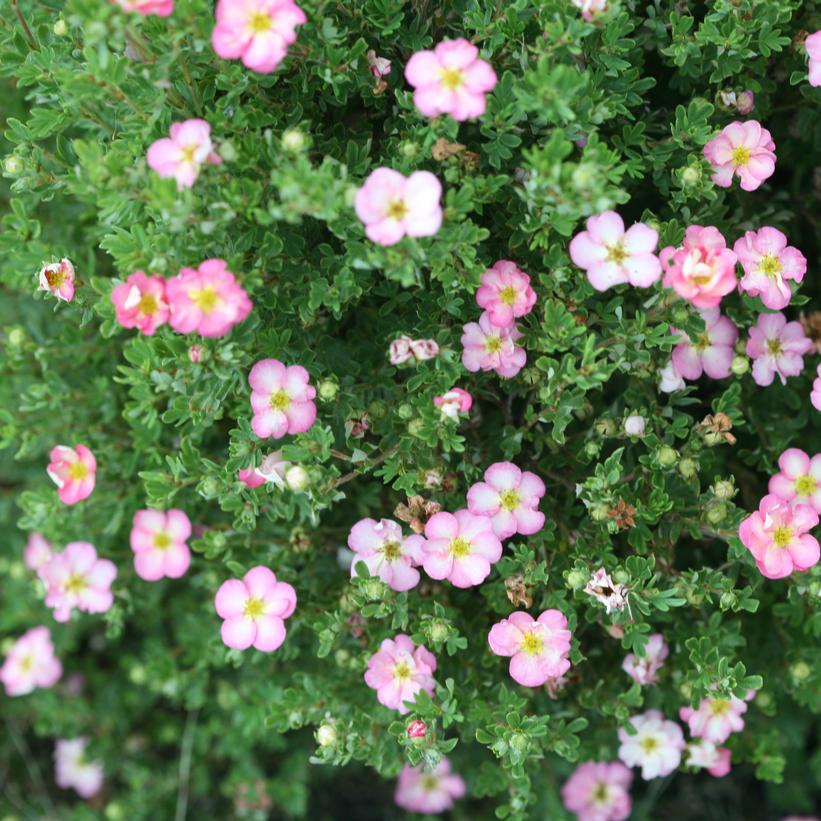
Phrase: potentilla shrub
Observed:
(410, 407)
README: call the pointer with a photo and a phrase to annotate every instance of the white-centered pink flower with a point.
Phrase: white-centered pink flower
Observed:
(769, 266)
(656, 746)
(140, 303)
(159, 542)
(30, 663)
(74, 471)
(612, 256)
(715, 719)
(599, 791)
(73, 769)
(183, 152)
(386, 552)
(644, 669)
(799, 478)
(281, 398)
(705, 755)
(428, 792)
(450, 79)
(399, 670)
(391, 205)
(254, 610)
(487, 347)
(37, 551)
(777, 347)
(711, 352)
(453, 402)
(745, 150)
(813, 46)
(505, 293)
(58, 279)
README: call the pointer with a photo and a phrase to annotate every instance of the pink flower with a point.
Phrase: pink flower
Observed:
(398, 671)
(417, 729)
(140, 302)
(391, 205)
(58, 279)
(400, 350)
(656, 746)
(510, 499)
(386, 552)
(36, 552)
(715, 719)
(813, 46)
(713, 350)
(799, 481)
(195, 353)
(611, 256)
(613, 596)
(745, 102)
(460, 547)
(705, 754)
(454, 402)
(207, 300)
(256, 31)
(778, 347)
(159, 543)
(489, 348)
(777, 536)
(744, 149)
(505, 293)
(378, 66)
(815, 394)
(428, 792)
(254, 609)
(74, 471)
(644, 669)
(538, 647)
(181, 155)
(73, 770)
(281, 398)
(451, 79)
(590, 8)
(769, 263)
(423, 349)
(31, 663)
(702, 270)
(250, 477)
(599, 791)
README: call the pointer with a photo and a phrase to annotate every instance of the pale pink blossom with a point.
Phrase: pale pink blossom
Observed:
(777, 534)
(715, 719)
(254, 610)
(58, 279)
(644, 669)
(274, 469)
(391, 205)
(206, 300)
(37, 551)
(712, 351)
(400, 351)
(704, 754)
(799, 479)
(815, 394)
(777, 347)
(489, 348)
(256, 31)
(162, 8)
(424, 349)
(505, 293)
(769, 266)
(30, 663)
(613, 596)
(281, 398)
(599, 791)
(590, 8)
(743, 149)
(656, 746)
(140, 302)
(813, 47)
(612, 256)
(428, 792)
(670, 380)
(73, 770)
(74, 471)
(454, 402)
(450, 79)
(386, 552)
(417, 729)
(635, 424)
(181, 154)
(510, 498)
(159, 542)
(460, 547)
(398, 671)
(538, 648)
(702, 269)
(745, 102)
(378, 66)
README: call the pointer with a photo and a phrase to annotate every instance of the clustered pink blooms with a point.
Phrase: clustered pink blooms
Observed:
(256, 31)
(74, 471)
(715, 719)
(777, 347)
(644, 669)
(254, 610)
(281, 398)
(159, 543)
(450, 79)
(58, 279)
(705, 755)
(36, 552)
(405, 349)
(612, 256)
(398, 671)
(599, 791)
(712, 351)
(656, 746)
(181, 154)
(745, 150)
(73, 770)
(813, 46)
(487, 347)
(428, 792)
(140, 302)
(769, 264)
(31, 663)
(454, 402)
(538, 648)
(386, 552)
(505, 293)
(391, 205)
(799, 479)
(162, 8)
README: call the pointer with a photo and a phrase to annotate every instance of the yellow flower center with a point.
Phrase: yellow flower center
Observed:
(649, 744)
(719, 707)
(509, 499)
(452, 78)
(188, 153)
(459, 548)
(254, 608)
(148, 304)
(531, 644)
(55, 278)
(741, 155)
(162, 541)
(259, 22)
(205, 298)
(75, 583)
(26, 663)
(77, 471)
(402, 672)
(774, 347)
(770, 265)
(508, 295)
(391, 551)
(397, 209)
(429, 782)
(702, 342)
(616, 253)
(493, 344)
(806, 485)
(782, 536)
(280, 400)
(600, 794)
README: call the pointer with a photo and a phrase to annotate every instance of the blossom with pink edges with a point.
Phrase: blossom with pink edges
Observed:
(281, 398)
(37, 551)
(453, 402)
(399, 670)
(670, 380)
(799, 479)
(428, 792)
(460, 547)
(712, 351)
(273, 469)
(73, 770)
(538, 648)
(777, 347)
(386, 552)
(777, 536)
(162, 8)
(254, 610)
(183, 152)
(391, 205)
(599, 791)
(505, 293)
(715, 719)
(159, 543)
(590, 8)
(510, 498)
(769, 266)
(30, 663)
(745, 150)
(815, 393)
(450, 79)
(58, 279)
(379, 67)
(140, 303)
(705, 755)
(702, 269)
(74, 471)
(250, 477)
(813, 46)
(206, 300)
(489, 348)
(258, 32)
(644, 669)
(612, 256)
(417, 729)
(656, 746)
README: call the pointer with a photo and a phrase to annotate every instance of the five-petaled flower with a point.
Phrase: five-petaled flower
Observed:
(30, 663)
(799, 478)
(777, 347)
(386, 552)
(711, 352)
(487, 347)
(74, 471)
(281, 398)
(73, 769)
(599, 791)
(745, 150)
(140, 302)
(181, 154)
(58, 279)
(428, 792)
(159, 543)
(505, 293)
(399, 670)
(769, 266)
(656, 746)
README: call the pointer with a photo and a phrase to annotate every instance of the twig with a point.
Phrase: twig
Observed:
(24, 24)
(183, 779)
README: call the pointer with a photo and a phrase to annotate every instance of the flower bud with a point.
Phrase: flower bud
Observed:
(576, 579)
(724, 489)
(328, 390)
(745, 102)
(728, 600)
(599, 513)
(667, 456)
(605, 427)
(417, 729)
(519, 742)
(716, 513)
(800, 671)
(634, 425)
(60, 28)
(12, 165)
(377, 409)
(296, 478)
(415, 426)
(374, 589)
(195, 353)
(326, 735)
(690, 174)
(688, 468)
(438, 631)
(740, 365)
(409, 149)
(293, 140)
(227, 151)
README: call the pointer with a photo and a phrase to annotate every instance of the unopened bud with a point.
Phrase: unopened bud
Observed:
(417, 729)
(296, 478)
(667, 456)
(326, 735)
(740, 365)
(60, 28)
(293, 140)
(688, 468)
